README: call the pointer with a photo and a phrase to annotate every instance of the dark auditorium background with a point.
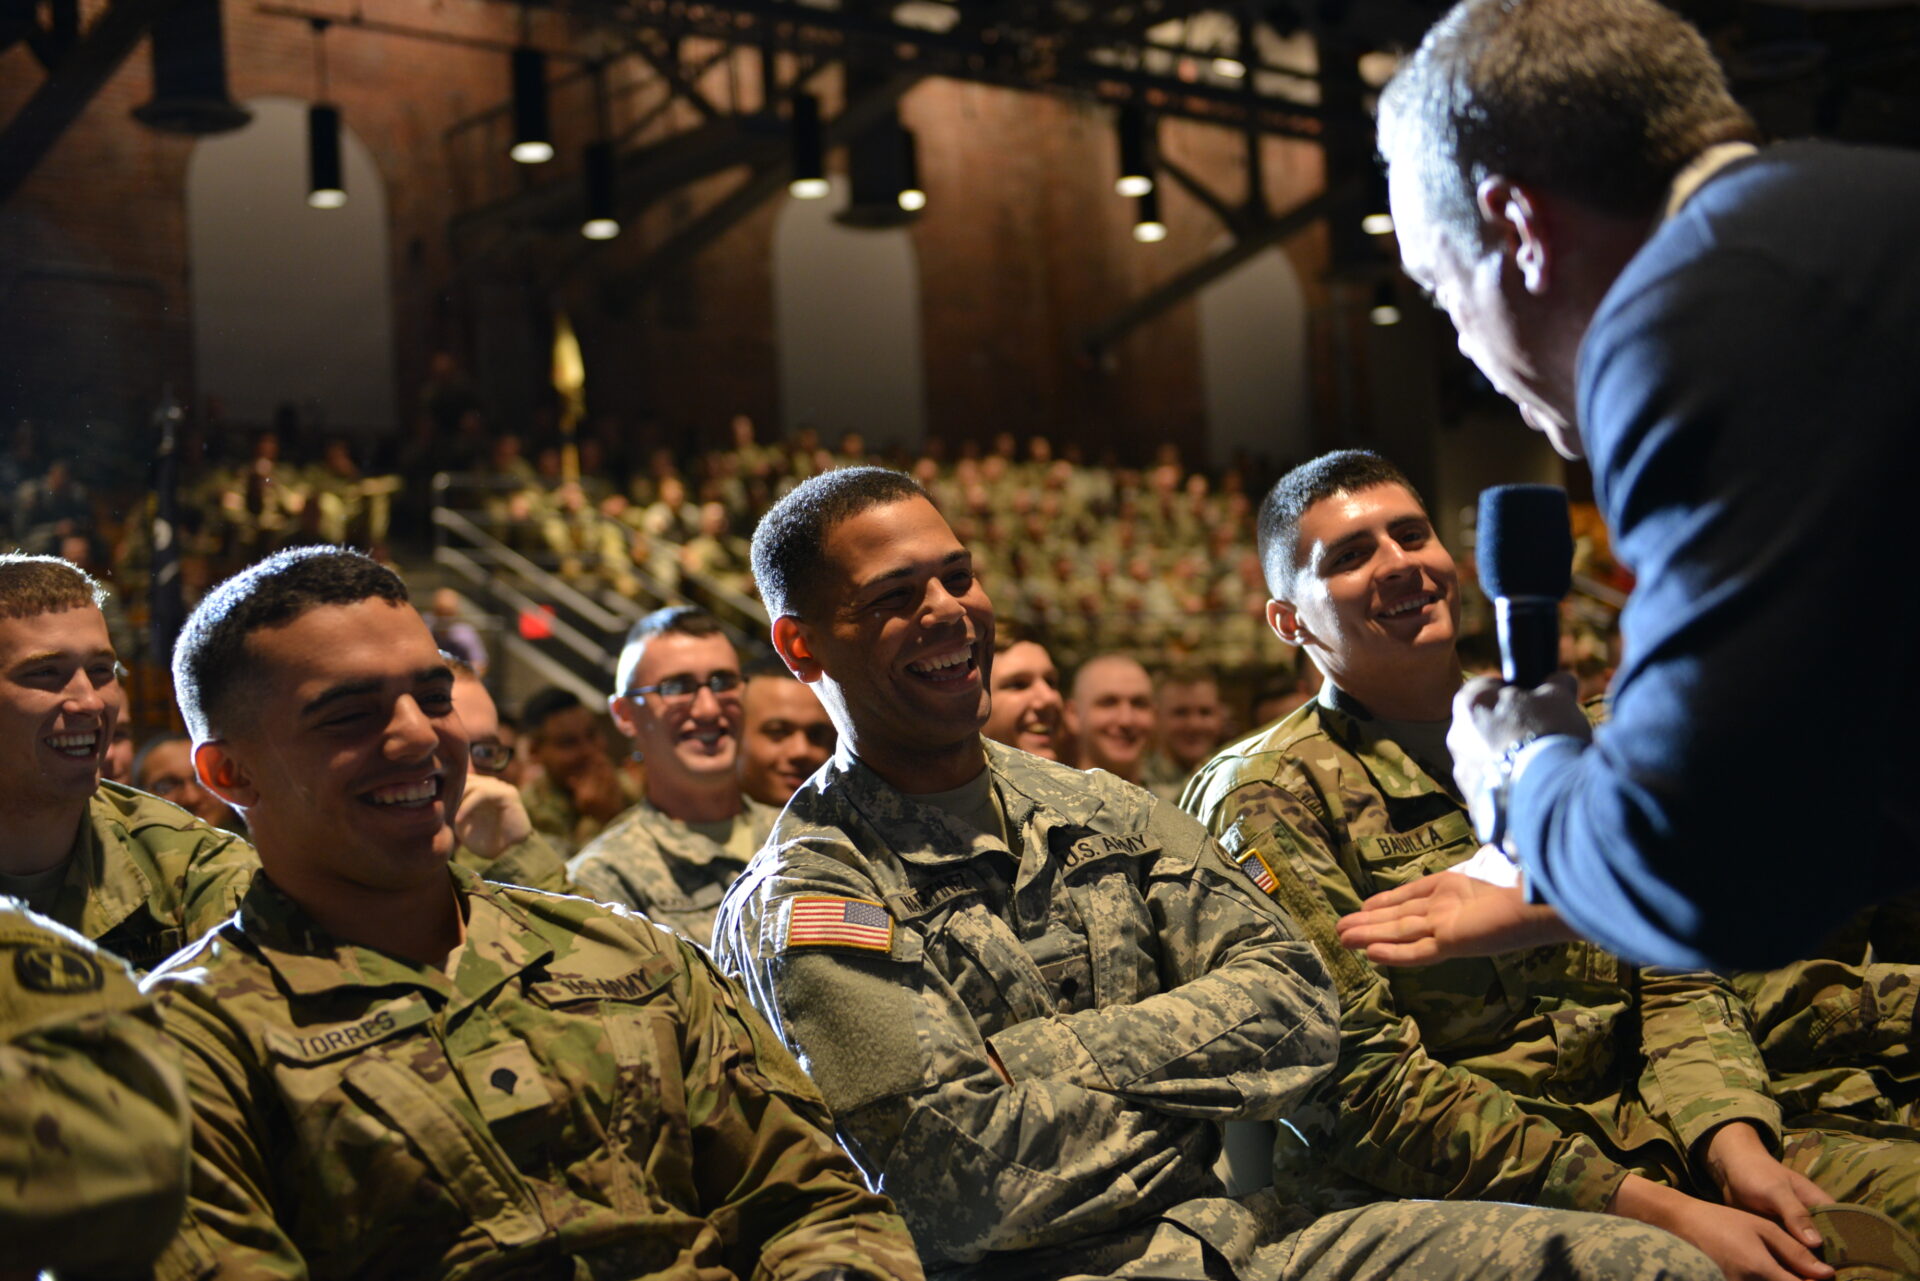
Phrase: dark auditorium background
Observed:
(158, 248)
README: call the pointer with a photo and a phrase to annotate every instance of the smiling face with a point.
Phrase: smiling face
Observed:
(60, 699)
(1375, 593)
(348, 759)
(900, 638)
(1111, 713)
(1192, 719)
(1028, 712)
(787, 738)
(694, 738)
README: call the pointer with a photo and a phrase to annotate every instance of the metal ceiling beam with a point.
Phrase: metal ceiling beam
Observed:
(1101, 338)
(65, 93)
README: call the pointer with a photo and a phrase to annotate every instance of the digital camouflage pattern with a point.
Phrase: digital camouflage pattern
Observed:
(585, 1097)
(1837, 1030)
(655, 863)
(1137, 993)
(93, 1109)
(532, 862)
(1543, 1076)
(146, 878)
(551, 810)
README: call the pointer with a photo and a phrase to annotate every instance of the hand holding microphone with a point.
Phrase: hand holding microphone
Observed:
(1525, 556)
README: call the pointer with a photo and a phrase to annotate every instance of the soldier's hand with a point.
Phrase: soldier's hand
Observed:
(1744, 1246)
(491, 816)
(1750, 1177)
(1445, 916)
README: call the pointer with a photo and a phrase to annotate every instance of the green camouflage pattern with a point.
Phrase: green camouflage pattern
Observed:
(1837, 1030)
(656, 864)
(533, 862)
(1543, 1076)
(584, 1097)
(1134, 989)
(93, 1108)
(146, 878)
(552, 811)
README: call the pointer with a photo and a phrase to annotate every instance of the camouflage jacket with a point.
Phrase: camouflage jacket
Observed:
(584, 1097)
(1134, 988)
(1543, 1076)
(146, 878)
(93, 1110)
(552, 811)
(532, 862)
(650, 861)
(1837, 1029)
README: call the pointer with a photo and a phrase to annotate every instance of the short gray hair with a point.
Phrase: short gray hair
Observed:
(1602, 101)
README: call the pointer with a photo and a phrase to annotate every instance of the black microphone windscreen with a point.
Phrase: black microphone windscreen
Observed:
(1524, 541)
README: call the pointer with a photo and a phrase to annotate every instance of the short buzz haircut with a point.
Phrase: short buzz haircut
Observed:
(1344, 471)
(34, 585)
(1602, 101)
(674, 620)
(789, 559)
(211, 660)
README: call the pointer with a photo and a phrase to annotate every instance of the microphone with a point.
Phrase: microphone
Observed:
(1524, 550)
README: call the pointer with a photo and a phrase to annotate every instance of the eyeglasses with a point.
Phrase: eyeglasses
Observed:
(492, 757)
(679, 688)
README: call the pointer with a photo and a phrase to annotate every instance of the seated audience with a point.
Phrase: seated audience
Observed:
(1557, 1076)
(673, 855)
(1110, 715)
(399, 1070)
(1029, 994)
(497, 838)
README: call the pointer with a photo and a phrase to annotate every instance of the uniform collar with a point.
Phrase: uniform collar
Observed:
(101, 891)
(1699, 170)
(308, 961)
(1348, 722)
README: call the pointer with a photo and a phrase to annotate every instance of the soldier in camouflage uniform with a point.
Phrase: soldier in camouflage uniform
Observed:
(1559, 1075)
(579, 789)
(93, 1112)
(497, 836)
(1030, 994)
(673, 855)
(400, 1071)
(137, 875)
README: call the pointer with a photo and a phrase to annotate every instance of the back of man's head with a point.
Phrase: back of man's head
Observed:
(1602, 101)
(35, 585)
(789, 557)
(211, 661)
(1345, 471)
(674, 620)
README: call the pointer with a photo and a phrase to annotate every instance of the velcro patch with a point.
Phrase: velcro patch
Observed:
(1255, 865)
(814, 921)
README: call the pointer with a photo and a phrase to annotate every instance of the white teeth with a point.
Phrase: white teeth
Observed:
(75, 744)
(407, 793)
(1407, 607)
(927, 666)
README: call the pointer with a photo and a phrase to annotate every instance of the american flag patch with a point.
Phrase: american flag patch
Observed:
(1257, 867)
(839, 922)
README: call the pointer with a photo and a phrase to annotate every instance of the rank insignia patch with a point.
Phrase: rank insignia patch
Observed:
(1256, 866)
(839, 922)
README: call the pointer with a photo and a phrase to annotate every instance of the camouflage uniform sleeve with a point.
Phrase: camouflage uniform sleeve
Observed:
(93, 1111)
(974, 1163)
(532, 862)
(217, 879)
(594, 876)
(229, 1229)
(1702, 1066)
(1247, 1027)
(771, 1178)
(1392, 1114)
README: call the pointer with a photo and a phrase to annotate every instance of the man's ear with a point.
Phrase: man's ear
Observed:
(223, 774)
(1284, 619)
(792, 642)
(1521, 224)
(625, 714)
